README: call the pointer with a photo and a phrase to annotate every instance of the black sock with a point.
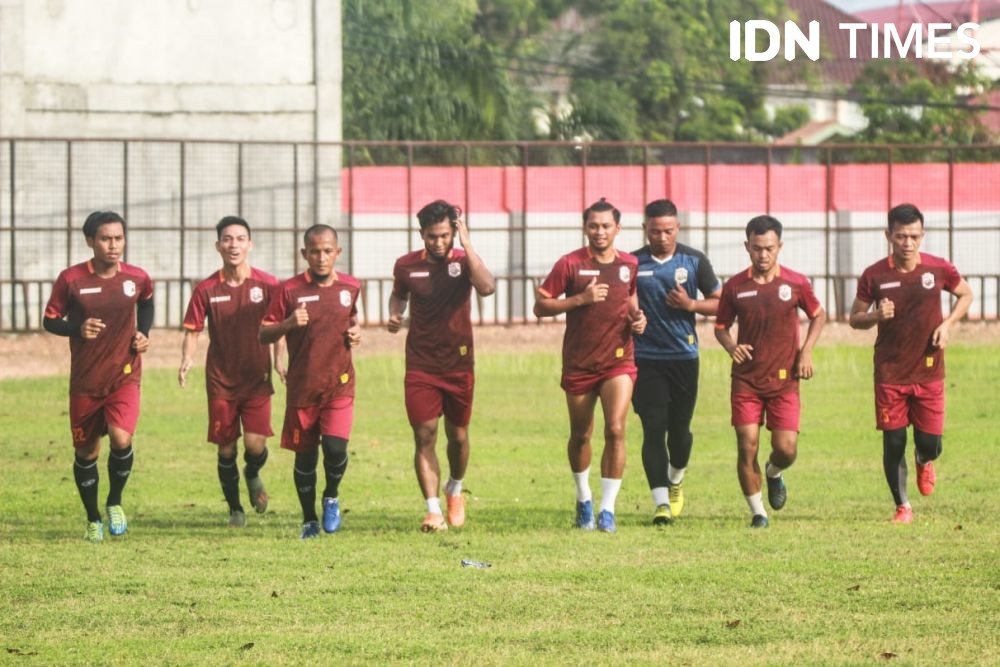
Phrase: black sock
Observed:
(86, 475)
(894, 463)
(654, 451)
(254, 462)
(304, 473)
(229, 478)
(334, 463)
(119, 469)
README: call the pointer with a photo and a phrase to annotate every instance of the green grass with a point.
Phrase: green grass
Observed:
(831, 582)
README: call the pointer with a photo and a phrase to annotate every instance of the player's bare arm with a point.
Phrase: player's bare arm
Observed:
(188, 347)
(636, 318)
(397, 306)
(738, 353)
(479, 275)
(803, 363)
(546, 306)
(863, 316)
(964, 293)
(279, 357)
(352, 337)
(271, 333)
(679, 299)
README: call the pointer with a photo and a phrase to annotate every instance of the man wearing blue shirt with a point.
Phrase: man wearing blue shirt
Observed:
(669, 278)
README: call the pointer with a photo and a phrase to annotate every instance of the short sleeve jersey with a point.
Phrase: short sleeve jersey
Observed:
(440, 335)
(903, 350)
(670, 333)
(104, 364)
(320, 367)
(769, 321)
(237, 367)
(598, 336)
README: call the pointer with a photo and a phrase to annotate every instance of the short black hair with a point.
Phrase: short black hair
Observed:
(98, 218)
(228, 221)
(763, 224)
(661, 208)
(600, 206)
(316, 230)
(437, 211)
(904, 214)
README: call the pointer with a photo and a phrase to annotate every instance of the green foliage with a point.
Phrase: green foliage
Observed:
(830, 582)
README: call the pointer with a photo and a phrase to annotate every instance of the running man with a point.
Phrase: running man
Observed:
(767, 360)
(105, 307)
(902, 295)
(316, 311)
(437, 282)
(233, 301)
(602, 313)
(670, 276)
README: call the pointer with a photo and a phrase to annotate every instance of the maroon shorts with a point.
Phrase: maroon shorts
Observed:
(304, 426)
(782, 410)
(90, 416)
(585, 383)
(899, 405)
(429, 395)
(224, 418)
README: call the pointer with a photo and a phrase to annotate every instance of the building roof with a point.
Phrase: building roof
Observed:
(906, 13)
(814, 133)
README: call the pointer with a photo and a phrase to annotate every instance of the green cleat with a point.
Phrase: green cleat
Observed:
(662, 516)
(258, 495)
(237, 519)
(95, 532)
(117, 523)
(677, 498)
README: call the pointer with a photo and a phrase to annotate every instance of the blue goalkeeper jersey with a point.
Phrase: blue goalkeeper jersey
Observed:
(670, 333)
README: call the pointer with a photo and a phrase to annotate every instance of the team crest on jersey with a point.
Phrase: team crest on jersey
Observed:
(680, 275)
(454, 269)
(624, 273)
(345, 298)
(256, 294)
(129, 287)
(785, 292)
(927, 280)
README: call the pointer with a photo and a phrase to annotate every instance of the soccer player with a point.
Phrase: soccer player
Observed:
(437, 282)
(602, 313)
(767, 360)
(670, 276)
(234, 300)
(316, 311)
(105, 307)
(902, 295)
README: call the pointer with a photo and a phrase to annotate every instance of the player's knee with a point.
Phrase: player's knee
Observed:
(305, 462)
(894, 441)
(425, 435)
(228, 450)
(614, 432)
(928, 445)
(334, 449)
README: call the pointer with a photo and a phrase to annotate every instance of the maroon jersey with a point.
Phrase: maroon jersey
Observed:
(769, 321)
(440, 335)
(598, 336)
(320, 368)
(237, 367)
(100, 366)
(903, 350)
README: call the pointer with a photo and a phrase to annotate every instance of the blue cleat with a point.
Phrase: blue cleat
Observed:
(117, 523)
(331, 515)
(310, 529)
(777, 494)
(606, 522)
(585, 514)
(758, 521)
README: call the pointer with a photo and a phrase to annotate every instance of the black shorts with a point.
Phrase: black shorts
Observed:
(668, 387)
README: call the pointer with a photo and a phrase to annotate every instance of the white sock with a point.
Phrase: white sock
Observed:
(434, 505)
(675, 475)
(453, 487)
(582, 480)
(756, 504)
(609, 493)
(772, 470)
(661, 496)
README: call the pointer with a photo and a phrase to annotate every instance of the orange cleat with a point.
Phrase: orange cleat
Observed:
(903, 514)
(926, 478)
(456, 511)
(433, 523)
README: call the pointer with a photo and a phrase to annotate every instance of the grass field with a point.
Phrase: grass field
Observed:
(830, 582)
